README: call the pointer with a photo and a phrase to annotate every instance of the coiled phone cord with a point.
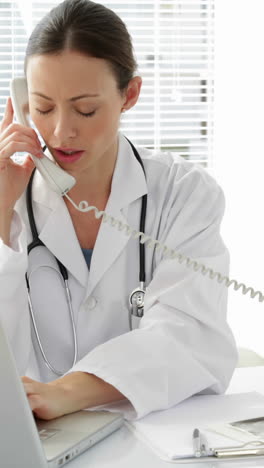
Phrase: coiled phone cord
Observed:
(170, 253)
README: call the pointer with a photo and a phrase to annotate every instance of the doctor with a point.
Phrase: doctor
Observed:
(82, 352)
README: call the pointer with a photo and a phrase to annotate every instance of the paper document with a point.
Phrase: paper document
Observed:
(169, 432)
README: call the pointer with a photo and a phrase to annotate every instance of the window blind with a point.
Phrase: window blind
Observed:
(174, 47)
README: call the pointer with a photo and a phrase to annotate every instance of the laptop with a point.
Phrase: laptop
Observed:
(27, 443)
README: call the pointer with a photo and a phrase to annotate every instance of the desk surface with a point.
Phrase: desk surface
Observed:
(123, 450)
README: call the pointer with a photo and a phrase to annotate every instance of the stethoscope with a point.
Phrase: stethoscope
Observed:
(136, 298)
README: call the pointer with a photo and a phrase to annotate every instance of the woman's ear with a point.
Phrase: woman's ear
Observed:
(132, 92)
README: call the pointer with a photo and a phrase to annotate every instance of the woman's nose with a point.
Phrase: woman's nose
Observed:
(64, 128)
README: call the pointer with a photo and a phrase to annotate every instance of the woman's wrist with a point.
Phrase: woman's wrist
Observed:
(5, 226)
(82, 390)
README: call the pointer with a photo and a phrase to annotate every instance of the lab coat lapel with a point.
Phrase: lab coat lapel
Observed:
(128, 185)
(58, 233)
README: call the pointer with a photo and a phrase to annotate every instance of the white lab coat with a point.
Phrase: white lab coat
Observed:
(183, 345)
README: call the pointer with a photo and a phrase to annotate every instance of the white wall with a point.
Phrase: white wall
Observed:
(239, 155)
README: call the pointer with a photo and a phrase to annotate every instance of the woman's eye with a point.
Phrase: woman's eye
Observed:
(43, 112)
(84, 114)
(87, 114)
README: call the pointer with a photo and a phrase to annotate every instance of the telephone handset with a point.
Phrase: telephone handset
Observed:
(61, 182)
(58, 179)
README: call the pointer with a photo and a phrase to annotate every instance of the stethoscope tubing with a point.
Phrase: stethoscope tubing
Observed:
(143, 213)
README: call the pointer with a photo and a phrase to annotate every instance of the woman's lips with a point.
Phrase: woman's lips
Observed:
(68, 158)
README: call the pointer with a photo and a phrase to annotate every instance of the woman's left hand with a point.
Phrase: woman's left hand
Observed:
(70, 393)
(47, 400)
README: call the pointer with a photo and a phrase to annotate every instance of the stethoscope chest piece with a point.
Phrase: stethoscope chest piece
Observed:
(136, 302)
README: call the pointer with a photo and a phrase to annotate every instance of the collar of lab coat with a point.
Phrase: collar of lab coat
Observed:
(128, 184)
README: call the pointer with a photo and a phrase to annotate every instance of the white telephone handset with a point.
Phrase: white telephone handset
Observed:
(59, 180)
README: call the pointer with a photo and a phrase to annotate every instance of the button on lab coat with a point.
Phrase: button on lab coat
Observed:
(183, 345)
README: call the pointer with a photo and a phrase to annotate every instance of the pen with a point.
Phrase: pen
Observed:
(196, 443)
(222, 453)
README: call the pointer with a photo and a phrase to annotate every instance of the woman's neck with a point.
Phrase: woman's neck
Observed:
(91, 188)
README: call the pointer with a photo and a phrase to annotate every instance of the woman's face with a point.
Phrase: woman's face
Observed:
(75, 104)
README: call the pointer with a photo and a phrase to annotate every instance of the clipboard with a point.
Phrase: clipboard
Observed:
(169, 433)
(251, 448)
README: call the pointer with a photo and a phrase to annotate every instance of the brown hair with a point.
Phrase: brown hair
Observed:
(89, 28)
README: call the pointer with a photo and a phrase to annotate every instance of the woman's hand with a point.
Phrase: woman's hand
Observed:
(14, 177)
(68, 394)
(47, 401)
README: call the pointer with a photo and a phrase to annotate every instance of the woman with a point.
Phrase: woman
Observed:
(81, 76)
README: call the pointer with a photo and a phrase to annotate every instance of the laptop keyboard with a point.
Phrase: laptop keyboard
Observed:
(45, 434)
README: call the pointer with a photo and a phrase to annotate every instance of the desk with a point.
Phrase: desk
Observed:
(123, 450)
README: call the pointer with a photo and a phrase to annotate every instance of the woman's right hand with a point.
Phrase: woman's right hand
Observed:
(15, 177)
